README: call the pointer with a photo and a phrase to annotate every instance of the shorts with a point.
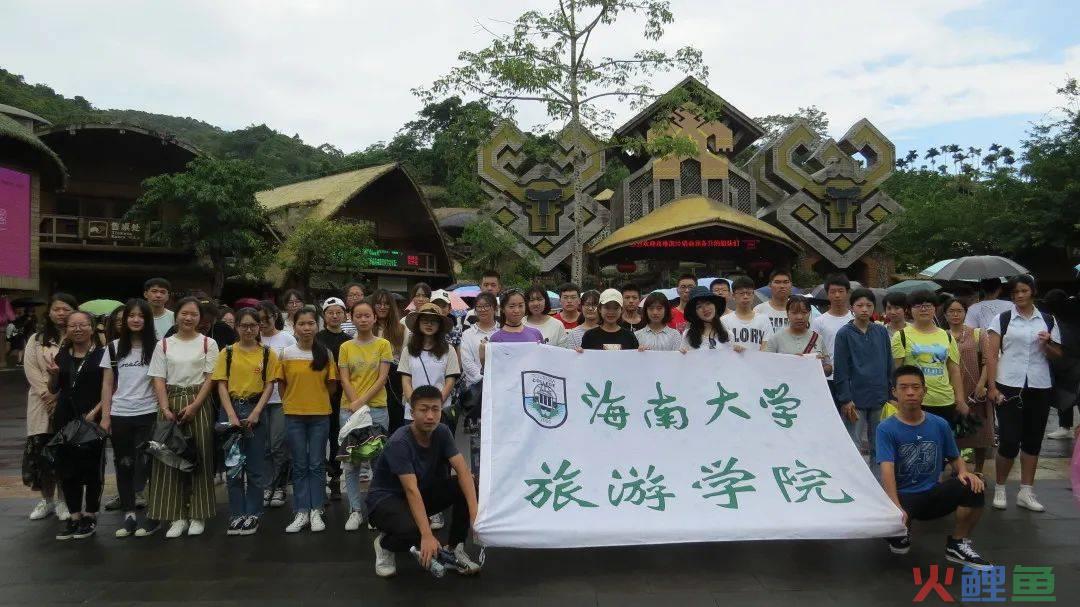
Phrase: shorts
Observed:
(943, 499)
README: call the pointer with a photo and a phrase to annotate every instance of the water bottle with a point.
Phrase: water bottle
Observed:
(436, 568)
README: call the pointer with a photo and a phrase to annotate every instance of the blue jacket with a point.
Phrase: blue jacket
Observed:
(862, 366)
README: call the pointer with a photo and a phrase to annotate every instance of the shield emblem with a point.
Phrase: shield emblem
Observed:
(544, 398)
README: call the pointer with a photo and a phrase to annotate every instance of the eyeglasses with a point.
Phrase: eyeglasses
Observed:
(482, 308)
(249, 326)
(923, 306)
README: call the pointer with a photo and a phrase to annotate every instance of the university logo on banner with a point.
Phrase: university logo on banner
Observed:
(544, 398)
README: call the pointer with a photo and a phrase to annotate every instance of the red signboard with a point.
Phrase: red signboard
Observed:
(14, 224)
(748, 244)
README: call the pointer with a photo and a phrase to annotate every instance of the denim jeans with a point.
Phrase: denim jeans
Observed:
(246, 489)
(277, 452)
(307, 441)
(866, 427)
(380, 417)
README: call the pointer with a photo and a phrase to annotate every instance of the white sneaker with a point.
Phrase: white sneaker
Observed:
(1000, 501)
(355, 519)
(436, 521)
(41, 510)
(1026, 499)
(317, 523)
(299, 522)
(176, 529)
(465, 564)
(196, 527)
(1060, 434)
(384, 559)
(62, 512)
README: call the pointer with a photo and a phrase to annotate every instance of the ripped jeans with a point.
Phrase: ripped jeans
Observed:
(132, 464)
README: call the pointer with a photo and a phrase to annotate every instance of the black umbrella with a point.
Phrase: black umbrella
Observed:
(27, 302)
(978, 267)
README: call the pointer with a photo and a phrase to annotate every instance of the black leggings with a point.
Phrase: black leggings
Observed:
(943, 499)
(393, 517)
(333, 466)
(132, 464)
(1022, 421)
(86, 476)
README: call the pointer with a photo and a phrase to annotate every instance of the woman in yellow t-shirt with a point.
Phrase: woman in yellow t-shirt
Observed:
(245, 374)
(308, 372)
(364, 363)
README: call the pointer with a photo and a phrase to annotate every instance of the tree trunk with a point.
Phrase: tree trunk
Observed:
(218, 262)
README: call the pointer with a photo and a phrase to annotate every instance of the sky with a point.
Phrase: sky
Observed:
(925, 72)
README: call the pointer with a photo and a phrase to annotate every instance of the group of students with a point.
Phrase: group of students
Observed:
(289, 382)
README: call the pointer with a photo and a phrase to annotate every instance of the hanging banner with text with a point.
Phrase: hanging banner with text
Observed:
(616, 448)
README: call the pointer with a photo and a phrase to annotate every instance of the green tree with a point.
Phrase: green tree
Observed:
(210, 209)
(321, 245)
(550, 58)
(493, 249)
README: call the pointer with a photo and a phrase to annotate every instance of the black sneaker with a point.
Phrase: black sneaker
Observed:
(70, 529)
(113, 504)
(249, 526)
(234, 525)
(149, 527)
(962, 552)
(87, 527)
(128, 527)
(335, 490)
(899, 545)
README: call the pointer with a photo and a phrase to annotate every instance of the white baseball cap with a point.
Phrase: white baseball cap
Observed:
(440, 295)
(333, 301)
(611, 295)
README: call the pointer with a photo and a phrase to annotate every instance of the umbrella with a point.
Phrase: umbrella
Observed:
(765, 293)
(556, 303)
(908, 287)
(879, 294)
(458, 285)
(978, 267)
(466, 291)
(246, 302)
(934, 269)
(27, 302)
(671, 294)
(457, 304)
(707, 282)
(100, 307)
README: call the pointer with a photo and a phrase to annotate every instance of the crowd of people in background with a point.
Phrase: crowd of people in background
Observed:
(267, 396)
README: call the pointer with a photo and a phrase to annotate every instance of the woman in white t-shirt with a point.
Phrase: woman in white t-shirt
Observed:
(538, 306)
(427, 360)
(128, 405)
(180, 370)
(272, 335)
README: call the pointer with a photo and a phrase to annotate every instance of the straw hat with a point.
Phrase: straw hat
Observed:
(428, 309)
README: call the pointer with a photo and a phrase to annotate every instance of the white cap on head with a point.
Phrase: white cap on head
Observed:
(333, 301)
(439, 295)
(611, 295)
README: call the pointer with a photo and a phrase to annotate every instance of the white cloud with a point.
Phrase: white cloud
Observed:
(341, 71)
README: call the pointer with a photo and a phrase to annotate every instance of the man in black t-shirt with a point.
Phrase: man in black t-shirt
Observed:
(411, 482)
(331, 338)
(610, 335)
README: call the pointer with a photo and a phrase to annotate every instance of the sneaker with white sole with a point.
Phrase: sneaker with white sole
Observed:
(385, 565)
(1060, 434)
(62, 511)
(1000, 500)
(113, 503)
(316, 521)
(1025, 498)
(437, 521)
(963, 552)
(87, 527)
(235, 524)
(266, 497)
(41, 510)
(68, 531)
(196, 527)
(249, 526)
(128, 527)
(299, 522)
(278, 498)
(176, 529)
(463, 565)
(149, 527)
(900, 545)
(354, 522)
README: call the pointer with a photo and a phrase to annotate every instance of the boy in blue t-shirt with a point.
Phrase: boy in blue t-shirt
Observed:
(911, 449)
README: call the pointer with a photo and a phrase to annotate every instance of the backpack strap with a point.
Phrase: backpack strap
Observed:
(228, 363)
(903, 339)
(205, 345)
(266, 361)
(813, 342)
(1003, 320)
(1050, 322)
(114, 365)
(165, 347)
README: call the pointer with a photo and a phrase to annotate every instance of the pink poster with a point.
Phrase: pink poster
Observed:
(14, 224)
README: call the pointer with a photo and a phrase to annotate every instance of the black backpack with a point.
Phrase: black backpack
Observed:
(1006, 317)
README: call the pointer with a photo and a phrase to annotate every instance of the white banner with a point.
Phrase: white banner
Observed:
(617, 448)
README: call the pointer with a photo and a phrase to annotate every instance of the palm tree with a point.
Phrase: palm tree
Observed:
(944, 170)
(931, 154)
(990, 161)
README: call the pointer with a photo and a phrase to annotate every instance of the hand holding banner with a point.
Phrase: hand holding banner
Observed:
(617, 448)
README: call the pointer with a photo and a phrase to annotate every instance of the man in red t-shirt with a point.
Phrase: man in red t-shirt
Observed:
(686, 283)
(570, 315)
